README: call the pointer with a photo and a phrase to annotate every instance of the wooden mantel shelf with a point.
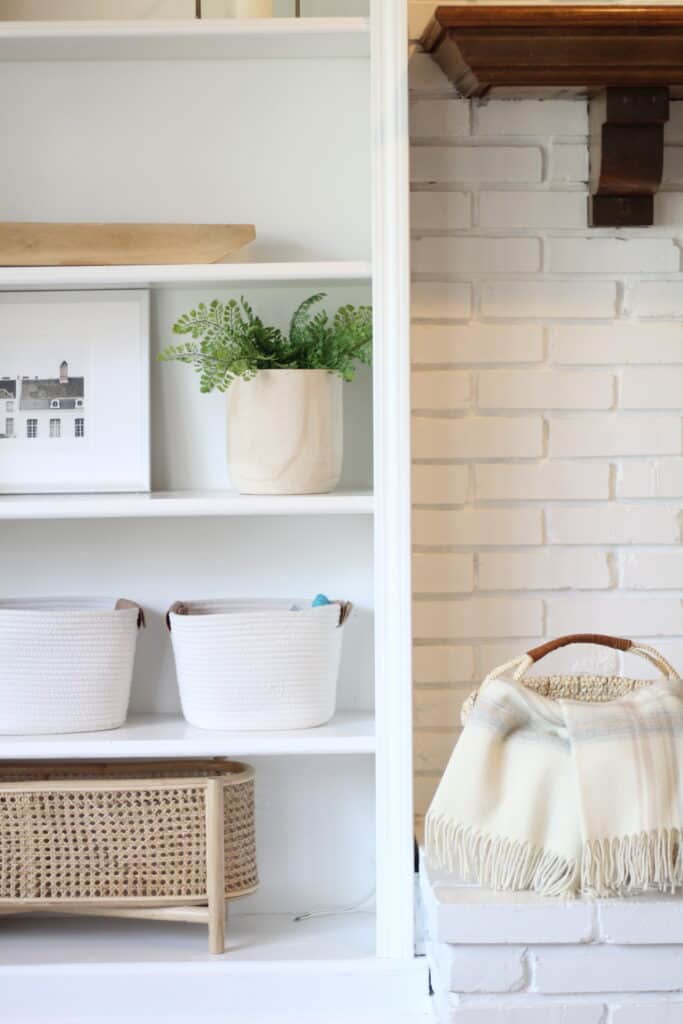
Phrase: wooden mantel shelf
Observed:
(523, 46)
(629, 58)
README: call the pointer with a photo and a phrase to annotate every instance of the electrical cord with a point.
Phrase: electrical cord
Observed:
(333, 912)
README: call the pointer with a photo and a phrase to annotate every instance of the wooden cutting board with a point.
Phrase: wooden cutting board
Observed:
(112, 245)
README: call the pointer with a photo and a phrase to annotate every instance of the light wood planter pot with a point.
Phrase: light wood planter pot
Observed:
(285, 432)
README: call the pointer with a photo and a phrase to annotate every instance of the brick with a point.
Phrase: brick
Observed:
(440, 389)
(576, 568)
(615, 614)
(673, 165)
(443, 664)
(482, 526)
(475, 916)
(548, 299)
(449, 118)
(440, 485)
(478, 344)
(605, 969)
(532, 1013)
(650, 479)
(477, 437)
(560, 481)
(531, 210)
(432, 750)
(588, 435)
(612, 524)
(477, 617)
(424, 787)
(669, 210)
(442, 573)
(653, 570)
(673, 129)
(430, 211)
(425, 73)
(651, 388)
(531, 117)
(493, 655)
(613, 255)
(440, 300)
(569, 163)
(475, 164)
(670, 1012)
(671, 649)
(476, 255)
(505, 389)
(653, 919)
(657, 298)
(435, 708)
(620, 343)
(470, 970)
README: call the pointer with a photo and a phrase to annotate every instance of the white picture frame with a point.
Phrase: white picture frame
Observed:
(74, 392)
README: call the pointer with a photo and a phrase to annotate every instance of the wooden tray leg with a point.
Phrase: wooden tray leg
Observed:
(215, 864)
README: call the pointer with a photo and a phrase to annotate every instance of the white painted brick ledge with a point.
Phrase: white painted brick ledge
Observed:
(518, 957)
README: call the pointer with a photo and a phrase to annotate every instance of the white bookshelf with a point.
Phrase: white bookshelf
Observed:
(300, 122)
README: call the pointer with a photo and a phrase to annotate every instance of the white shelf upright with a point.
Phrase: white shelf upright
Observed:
(334, 804)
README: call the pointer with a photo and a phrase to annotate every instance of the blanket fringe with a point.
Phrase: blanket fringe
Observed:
(633, 863)
(497, 862)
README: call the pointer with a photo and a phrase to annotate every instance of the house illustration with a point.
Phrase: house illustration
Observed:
(47, 407)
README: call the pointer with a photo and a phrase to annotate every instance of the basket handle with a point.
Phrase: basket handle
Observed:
(123, 602)
(617, 643)
(180, 608)
(177, 608)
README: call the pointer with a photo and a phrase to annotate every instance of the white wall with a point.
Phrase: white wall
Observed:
(547, 392)
(193, 141)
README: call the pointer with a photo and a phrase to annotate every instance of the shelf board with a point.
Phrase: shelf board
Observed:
(19, 278)
(179, 504)
(252, 938)
(150, 735)
(520, 46)
(218, 39)
(274, 968)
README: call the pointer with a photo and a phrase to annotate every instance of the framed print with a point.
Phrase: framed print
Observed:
(74, 391)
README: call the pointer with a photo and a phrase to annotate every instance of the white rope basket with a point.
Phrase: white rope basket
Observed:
(257, 664)
(66, 664)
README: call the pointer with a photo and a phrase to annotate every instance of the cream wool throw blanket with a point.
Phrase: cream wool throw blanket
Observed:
(564, 797)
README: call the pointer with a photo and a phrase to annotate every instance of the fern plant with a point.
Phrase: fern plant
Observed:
(228, 340)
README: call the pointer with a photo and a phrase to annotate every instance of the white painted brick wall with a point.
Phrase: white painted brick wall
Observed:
(548, 473)
(547, 388)
(497, 958)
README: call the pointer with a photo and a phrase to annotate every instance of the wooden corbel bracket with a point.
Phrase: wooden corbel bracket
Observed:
(626, 154)
(627, 58)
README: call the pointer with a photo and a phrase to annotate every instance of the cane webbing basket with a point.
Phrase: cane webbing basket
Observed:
(126, 835)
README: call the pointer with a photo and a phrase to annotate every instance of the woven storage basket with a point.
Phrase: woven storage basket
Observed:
(153, 839)
(66, 664)
(589, 688)
(257, 664)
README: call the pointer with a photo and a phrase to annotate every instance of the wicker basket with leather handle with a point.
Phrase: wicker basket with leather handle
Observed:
(589, 688)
